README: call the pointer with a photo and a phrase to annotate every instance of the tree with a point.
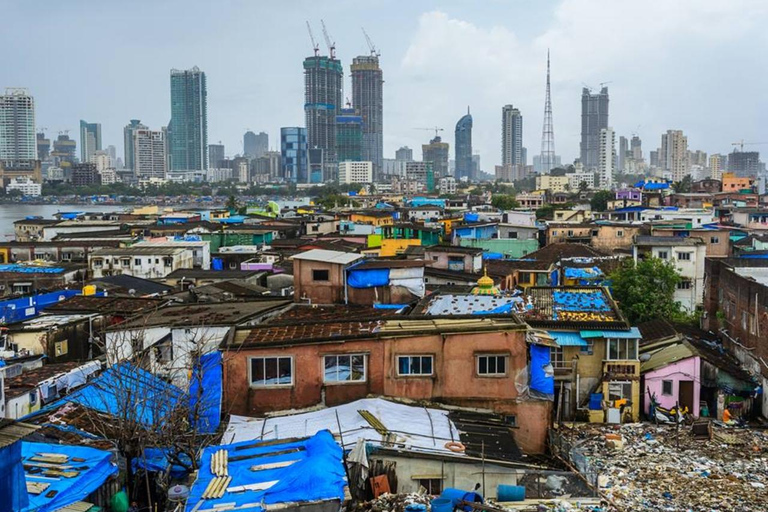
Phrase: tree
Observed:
(504, 202)
(231, 203)
(583, 186)
(546, 212)
(599, 202)
(683, 186)
(645, 291)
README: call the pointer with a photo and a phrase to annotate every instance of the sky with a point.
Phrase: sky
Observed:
(694, 65)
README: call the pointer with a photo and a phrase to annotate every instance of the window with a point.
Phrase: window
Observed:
(619, 233)
(622, 349)
(556, 357)
(714, 240)
(554, 233)
(61, 348)
(684, 285)
(666, 387)
(320, 275)
(126, 262)
(589, 349)
(595, 232)
(344, 368)
(98, 263)
(684, 256)
(168, 262)
(433, 486)
(512, 234)
(570, 232)
(619, 390)
(663, 255)
(414, 365)
(492, 365)
(271, 371)
(315, 228)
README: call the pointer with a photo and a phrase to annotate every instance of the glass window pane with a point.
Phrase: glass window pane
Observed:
(483, 365)
(416, 365)
(257, 370)
(426, 365)
(285, 370)
(270, 370)
(344, 368)
(403, 365)
(502, 365)
(358, 367)
(491, 364)
(330, 368)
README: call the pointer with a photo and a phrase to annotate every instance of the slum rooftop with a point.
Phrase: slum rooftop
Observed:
(227, 313)
(577, 307)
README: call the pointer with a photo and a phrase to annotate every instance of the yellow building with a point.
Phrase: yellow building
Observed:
(372, 218)
(553, 184)
(395, 246)
(146, 210)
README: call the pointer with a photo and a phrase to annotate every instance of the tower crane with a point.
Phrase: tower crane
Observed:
(741, 144)
(315, 46)
(371, 46)
(435, 128)
(331, 45)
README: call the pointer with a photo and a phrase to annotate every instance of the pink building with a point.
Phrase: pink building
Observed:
(675, 382)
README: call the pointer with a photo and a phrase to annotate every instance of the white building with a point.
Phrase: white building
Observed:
(696, 216)
(143, 262)
(216, 175)
(243, 171)
(447, 185)
(575, 179)
(606, 157)
(674, 158)
(355, 172)
(102, 160)
(108, 176)
(149, 154)
(201, 249)
(55, 174)
(687, 254)
(25, 185)
(18, 140)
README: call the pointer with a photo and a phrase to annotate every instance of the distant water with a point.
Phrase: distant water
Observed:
(10, 213)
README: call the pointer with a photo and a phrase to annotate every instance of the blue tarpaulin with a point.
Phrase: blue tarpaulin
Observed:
(592, 301)
(583, 273)
(13, 487)
(471, 217)
(368, 278)
(94, 470)
(542, 378)
(389, 306)
(24, 308)
(498, 310)
(158, 460)
(493, 256)
(29, 269)
(205, 399)
(316, 473)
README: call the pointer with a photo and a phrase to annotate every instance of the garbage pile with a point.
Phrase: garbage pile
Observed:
(656, 468)
(388, 502)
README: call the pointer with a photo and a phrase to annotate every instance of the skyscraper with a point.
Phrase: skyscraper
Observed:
(511, 136)
(188, 129)
(404, 154)
(323, 82)
(43, 147)
(594, 117)
(293, 153)
(254, 146)
(606, 157)
(349, 136)
(135, 124)
(215, 155)
(436, 152)
(90, 140)
(149, 154)
(18, 141)
(673, 155)
(368, 99)
(745, 163)
(636, 147)
(547, 159)
(464, 147)
(623, 153)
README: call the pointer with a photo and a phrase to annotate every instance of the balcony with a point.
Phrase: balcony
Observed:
(617, 370)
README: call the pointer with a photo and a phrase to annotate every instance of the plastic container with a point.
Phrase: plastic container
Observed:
(511, 493)
(416, 507)
(442, 505)
(457, 495)
(595, 401)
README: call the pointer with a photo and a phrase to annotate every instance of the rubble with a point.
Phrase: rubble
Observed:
(388, 502)
(656, 468)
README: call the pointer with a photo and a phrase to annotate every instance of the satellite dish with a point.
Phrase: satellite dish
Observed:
(132, 292)
(644, 357)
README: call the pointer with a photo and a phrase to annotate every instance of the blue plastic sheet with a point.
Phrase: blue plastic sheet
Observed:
(158, 460)
(498, 310)
(471, 217)
(28, 269)
(205, 399)
(70, 490)
(368, 278)
(580, 301)
(542, 382)
(583, 273)
(24, 308)
(317, 474)
(13, 486)
(493, 256)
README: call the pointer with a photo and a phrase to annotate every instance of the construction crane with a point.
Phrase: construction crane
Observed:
(371, 46)
(435, 129)
(315, 46)
(603, 84)
(741, 144)
(331, 45)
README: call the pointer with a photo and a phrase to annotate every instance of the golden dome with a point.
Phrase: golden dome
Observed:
(485, 286)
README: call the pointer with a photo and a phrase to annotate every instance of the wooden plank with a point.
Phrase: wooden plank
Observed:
(273, 465)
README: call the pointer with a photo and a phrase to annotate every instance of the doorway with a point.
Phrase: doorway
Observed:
(686, 395)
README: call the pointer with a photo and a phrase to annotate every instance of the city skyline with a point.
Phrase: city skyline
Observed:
(420, 89)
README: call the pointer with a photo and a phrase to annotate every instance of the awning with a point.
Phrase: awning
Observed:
(568, 339)
(632, 333)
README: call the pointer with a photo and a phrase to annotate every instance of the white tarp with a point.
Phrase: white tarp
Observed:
(414, 427)
(411, 279)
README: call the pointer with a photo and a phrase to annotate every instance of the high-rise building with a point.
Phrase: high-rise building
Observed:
(745, 163)
(548, 158)
(149, 154)
(85, 174)
(717, 163)
(102, 160)
(112, 152)
(18, 141)
(436, 152)
(254, 145)
(404, 154)
(623, 154)
(636, 147)
(63, 153)
(594, 117)
(606, 157)
(420, 173)
(215, 154)
(90, 140)
(43, 147)
(511, 136)
(673, 155)
(349, 136)
(135, 124)
(368, 99)
(293, 154)
(267, 166)
(698, 157)
(355, 172)
(188, 129)
(323, 84)
(464, 147)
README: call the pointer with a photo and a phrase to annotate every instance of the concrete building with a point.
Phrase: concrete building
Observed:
(293, 153)
(436, 152)
(421, 173)
(43, 147)
(594, 117)
(622, 155)
(108, 176)
(102, 160)
(25, 186)
(717, 165)
(464, 166)
(745, 163)
(323, 86)
(404, 154)
(355, 172)
(606, 158)
(254, 146)
(149, 154)
(447, 185)
(188, 129)
(268, 166)
(511, 136)
(85, 175)
(349, 135)
(143, 262)
(128, 130)
(215, 154)
(553, 183)
(368, 100)
(575, 179)
(673, 155)
(90, 140)
(18, 140)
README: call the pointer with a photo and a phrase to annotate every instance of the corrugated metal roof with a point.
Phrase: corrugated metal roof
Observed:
(568, 339)
(632, 333)
(338, 257)
(666, 356)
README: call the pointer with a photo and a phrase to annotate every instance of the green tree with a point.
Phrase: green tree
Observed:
(646, 291)
(599, 202)
(546, 212)
(684, 186)
(504, 202)
(583, 186)
(231, 203)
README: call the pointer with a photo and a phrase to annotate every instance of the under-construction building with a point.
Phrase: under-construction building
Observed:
(368, 99)
(349, 136)
(436, 152)
(323, 92)
(594, 117)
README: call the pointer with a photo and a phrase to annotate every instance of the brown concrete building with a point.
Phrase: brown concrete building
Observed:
(718, 241)
(320, 276)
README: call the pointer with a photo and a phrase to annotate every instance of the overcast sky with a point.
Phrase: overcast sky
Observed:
(695, 65)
